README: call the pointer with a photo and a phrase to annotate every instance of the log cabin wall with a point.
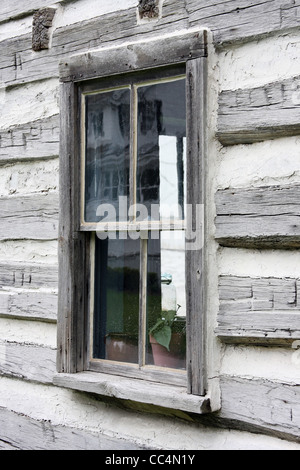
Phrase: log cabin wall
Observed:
(253, 277)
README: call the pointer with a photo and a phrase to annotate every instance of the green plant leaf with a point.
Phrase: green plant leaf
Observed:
(163, 336)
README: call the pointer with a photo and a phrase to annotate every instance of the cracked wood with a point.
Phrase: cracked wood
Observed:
(258, 217)
(261, 310)
(32, 216)
(261, 113)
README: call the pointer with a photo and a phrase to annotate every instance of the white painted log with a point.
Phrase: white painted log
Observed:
(29, 217)
(167, 396)
(19, 432)
(28, 275)
(257, 114)
(272, 407)
(261, 310)
(34, 305)
(264, 216)
(229, 23)
(33, 140)
(27, 361)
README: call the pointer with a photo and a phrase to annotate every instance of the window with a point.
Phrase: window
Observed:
(132, 214)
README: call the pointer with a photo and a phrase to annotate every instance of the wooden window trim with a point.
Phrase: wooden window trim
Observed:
(189, 48)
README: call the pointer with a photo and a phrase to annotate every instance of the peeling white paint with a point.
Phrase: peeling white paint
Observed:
(259, 62)
(265, 163)
(28, 103)
(259, 263)
(29, 177)
(274, 364)
(29, 251)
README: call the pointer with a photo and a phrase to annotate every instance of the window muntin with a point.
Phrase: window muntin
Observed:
(151, 147)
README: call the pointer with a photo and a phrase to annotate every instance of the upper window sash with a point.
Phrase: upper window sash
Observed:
(114, 139)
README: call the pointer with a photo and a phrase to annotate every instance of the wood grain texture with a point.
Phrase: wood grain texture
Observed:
(167, 396)
(261, 113)
(20, 432)
(233, 22)
(32, 216)
(258, 217)
(228, 21)
(33, 140)
(27, 361)
(133, 57)
(72, 255)
(258, 310)
(28, 275)
(30, 305)
(195, 248)
(270, 406)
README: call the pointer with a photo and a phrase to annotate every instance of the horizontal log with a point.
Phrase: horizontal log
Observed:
(28, 275)
(241, 21)
(261, 113)
(258, 217)
(39, 139)
(19, 64)
(229, 23)
(27, 361)
(33, 305)
(269, 406)
(29, 217)
(21, 432)
(258, 310)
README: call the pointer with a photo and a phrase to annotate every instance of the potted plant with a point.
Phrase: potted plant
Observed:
(168, 340)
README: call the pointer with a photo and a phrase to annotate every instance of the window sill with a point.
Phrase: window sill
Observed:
(167, 396)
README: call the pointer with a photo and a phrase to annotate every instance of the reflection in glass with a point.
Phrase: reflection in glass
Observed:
(161, 155)
(116, 311)
(107, 150)
(166, 312)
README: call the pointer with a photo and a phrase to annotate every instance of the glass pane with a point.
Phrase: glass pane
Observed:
(161, 156)
(116, 311)
(166, 311)
(107, 153)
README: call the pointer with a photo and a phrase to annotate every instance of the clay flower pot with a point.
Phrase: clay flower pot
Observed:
(174, 358)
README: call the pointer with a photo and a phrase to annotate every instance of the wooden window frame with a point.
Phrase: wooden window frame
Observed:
(187, 48)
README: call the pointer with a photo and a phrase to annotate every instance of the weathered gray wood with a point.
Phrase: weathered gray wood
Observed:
(261, 310)
(29, 217)
(33, 305)
(233, 22)
(167, 396)
(133, 57)
(252, 115)
(18, 64)
(264, 216)
(28, 275)
(23, 433)
(72, 252)
(39, 139)
(27, 361)
(268, 405)
(195, 255)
